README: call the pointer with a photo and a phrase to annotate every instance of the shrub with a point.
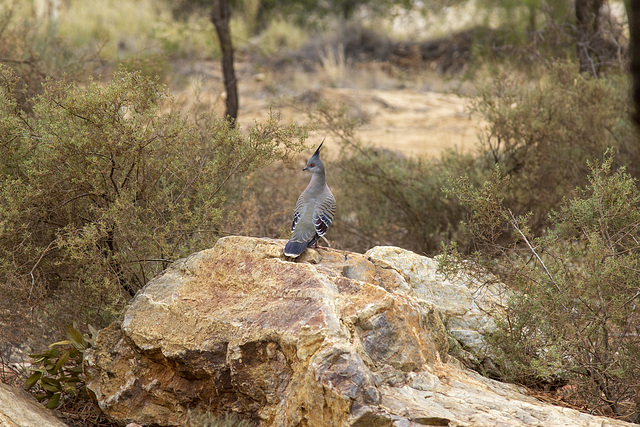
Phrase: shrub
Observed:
(542, 132)
(58, 370)
(107, 185)
(34, 51)
(387, 198)
(539, 133)
(281, 34)
(574, 313)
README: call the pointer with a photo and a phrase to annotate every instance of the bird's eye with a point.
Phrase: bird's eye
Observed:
(312, 165)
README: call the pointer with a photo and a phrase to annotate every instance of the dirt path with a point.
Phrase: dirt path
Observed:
(411, 121)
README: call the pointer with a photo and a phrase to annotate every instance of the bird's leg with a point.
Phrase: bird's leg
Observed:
(316, 246)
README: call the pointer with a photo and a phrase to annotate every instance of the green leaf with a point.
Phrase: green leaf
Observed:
(53, 402)
(71, 389)
(93, 331)
(61, 361)
(63, 342)
(33, 379)
(37, 356)
(54, 352)
(76, 370)
(50, 384)
(76, 337)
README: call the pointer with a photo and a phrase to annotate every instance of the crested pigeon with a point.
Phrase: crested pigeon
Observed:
(314, 209)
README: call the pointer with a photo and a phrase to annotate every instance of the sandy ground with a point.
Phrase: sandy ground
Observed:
(412, 122)
(421, 118)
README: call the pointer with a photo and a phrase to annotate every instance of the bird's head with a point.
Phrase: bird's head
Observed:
(314, 164)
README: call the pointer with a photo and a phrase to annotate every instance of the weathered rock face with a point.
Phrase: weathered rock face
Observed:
(19, 409)
(468, 307)
(335, 339)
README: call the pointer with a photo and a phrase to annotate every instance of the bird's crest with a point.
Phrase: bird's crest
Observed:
(317, 153)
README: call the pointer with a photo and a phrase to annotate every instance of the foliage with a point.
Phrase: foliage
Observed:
(391, 199)
(34, 50)
(194, 37)
(528, 15)
(106, 185)
(210, 420)
(573, 316)
(542, 132)
(59, 369)
(114, 26)
(539, 134)
(281, 34)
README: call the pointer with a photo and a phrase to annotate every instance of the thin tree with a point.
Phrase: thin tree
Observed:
(588, 27)
(220, 16)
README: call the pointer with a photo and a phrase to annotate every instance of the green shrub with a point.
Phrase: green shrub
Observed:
(281, 34)
(107, 185)
(542, 132)
(573, 317)
(34, 51)
(58, 370)
(387, 198)
(194, 37)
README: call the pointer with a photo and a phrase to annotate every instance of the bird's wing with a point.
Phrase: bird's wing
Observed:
(324, 213)
(299, 211)
(302, 227)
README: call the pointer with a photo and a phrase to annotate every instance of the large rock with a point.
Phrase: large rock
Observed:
(19, 409)
(331, 340)
(468, 306)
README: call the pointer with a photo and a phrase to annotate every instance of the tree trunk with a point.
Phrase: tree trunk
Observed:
(633, 11)
(220, 16)
(587, 14)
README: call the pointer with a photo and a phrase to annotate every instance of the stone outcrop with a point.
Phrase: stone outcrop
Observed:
(334, 339)
(19, 409)
(468, 306)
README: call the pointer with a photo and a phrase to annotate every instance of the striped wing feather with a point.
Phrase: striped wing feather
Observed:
(324, 214)
(298, 211)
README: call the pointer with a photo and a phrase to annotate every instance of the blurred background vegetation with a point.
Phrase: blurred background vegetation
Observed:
(116, 161)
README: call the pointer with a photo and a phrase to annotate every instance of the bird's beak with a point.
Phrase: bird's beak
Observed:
(305, 168)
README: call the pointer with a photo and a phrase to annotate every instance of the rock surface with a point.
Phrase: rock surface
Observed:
(468, 307)
(335, 339)
(19, 409)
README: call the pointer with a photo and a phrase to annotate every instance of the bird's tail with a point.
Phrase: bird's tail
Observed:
(294, 249)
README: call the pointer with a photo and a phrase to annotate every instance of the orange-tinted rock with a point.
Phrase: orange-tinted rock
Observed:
(334, 339)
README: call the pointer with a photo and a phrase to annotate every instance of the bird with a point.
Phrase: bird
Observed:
(314, 211)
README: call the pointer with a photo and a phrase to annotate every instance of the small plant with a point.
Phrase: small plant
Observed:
(208, 419)
(58, 370)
